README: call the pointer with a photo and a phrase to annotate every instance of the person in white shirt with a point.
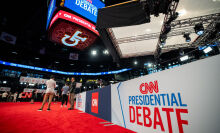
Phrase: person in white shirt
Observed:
(4, 96)
(15, 97)
(51, 85)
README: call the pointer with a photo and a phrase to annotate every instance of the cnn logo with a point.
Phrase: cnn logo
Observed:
(94, 102)
(149, 87)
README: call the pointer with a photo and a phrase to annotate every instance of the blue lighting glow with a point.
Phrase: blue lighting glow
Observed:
(200, 32)
(61, 72)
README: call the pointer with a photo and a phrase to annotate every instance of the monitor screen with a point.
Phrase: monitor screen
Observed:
(72, 31)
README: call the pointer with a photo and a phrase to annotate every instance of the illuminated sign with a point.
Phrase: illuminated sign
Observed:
(75, 19)
(72, 31)
(51, 9)
(86, 8)
(75, 39)
(60, 72)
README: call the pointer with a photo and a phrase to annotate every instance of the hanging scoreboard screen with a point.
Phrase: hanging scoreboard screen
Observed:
(86, 8)
(72, 31)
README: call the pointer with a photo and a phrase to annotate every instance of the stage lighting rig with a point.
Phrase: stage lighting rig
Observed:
(167, 28)
(187, 37)
(199, 29)
(172, 18)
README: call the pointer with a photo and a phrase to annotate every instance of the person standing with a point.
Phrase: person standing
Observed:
(20, 97)
(33, 96)
(15, 97)
(51, 85)
(72, 93)
(64, 94)
(4, 96)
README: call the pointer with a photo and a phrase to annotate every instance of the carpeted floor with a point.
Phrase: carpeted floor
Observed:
(24, 117)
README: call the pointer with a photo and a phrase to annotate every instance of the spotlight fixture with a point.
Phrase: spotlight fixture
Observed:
(163, 39)
(187, 37)
(173, 17)
(167, 28)
(199, 29)
(181, 52)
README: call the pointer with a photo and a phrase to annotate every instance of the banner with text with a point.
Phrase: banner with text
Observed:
(183, 99)
(33, 80)
(81, 101)
(5, 88)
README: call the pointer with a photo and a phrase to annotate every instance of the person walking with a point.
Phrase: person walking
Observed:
(65, 90)
(51, 85)
(72, 93)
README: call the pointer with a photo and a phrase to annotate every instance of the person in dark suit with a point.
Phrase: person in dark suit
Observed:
(72, 93)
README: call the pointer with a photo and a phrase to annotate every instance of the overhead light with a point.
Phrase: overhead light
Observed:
(88, 65)
(169, 64)
(71, 64)
(14, 52)
(149, 65)
(187, 37)
(105, 52)
(207, 50)
(135, 62)
(199, 29)
(4, 82)
(31, 84)
(184, 58)
(94, 52)
(57, 62)
(148, 30)
(182, 12)
(37, 58)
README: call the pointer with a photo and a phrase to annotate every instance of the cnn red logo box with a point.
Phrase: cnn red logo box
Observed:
(95, 101)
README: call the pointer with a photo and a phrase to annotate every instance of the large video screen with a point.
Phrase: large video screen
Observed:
(86, 8)
(72, 31)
